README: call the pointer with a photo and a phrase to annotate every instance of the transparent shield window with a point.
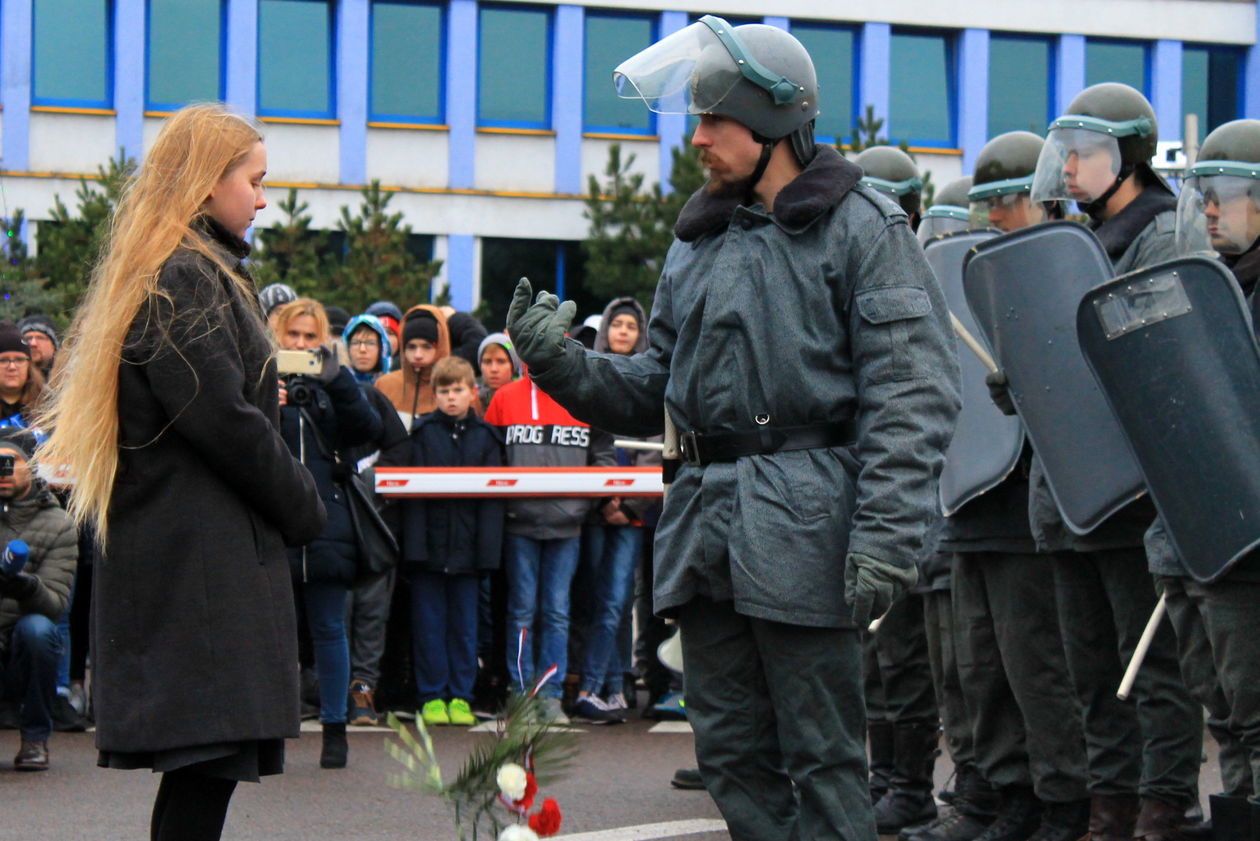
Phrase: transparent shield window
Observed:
(513, 69)
(295, 40)
(1211, 80)
(71, 53)
(1116, 61)
(921, 93)
(185, 53)
(833, 51)
(610, 40)
(1019, 84)
(406, 82)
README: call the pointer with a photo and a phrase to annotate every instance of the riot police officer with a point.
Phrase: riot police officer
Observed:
(1218, 624)
(1143, 756)
(950, 212)
(829, 435)
(893, 172)
(1000, 190)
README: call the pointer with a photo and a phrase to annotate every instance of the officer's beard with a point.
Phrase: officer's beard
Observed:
(729, 188)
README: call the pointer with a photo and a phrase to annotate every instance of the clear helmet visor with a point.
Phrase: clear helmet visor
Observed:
(689, 72)
(1076, 164)
(943, 219)
(1008, 212)
(1218, 214)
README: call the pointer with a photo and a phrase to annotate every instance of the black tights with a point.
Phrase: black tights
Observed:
(190, 807)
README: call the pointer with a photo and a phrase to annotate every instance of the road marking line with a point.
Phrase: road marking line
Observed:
(671, 727)
(646, 831)
(493, 726)
(316, 727)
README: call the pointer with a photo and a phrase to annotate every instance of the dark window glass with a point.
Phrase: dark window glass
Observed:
(1019, 84)
(832, 48)
(921, 89)
(1116, 61)
(1210, 79)
(557, 266)
(185, 52)
(295, 59)
(610, 40)
(406, 62)
(71, 53)
(514, 68)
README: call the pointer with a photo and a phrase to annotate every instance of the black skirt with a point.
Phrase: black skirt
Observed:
(244, 762)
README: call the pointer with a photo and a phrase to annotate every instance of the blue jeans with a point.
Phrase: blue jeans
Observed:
(30, 674)
(539, 573)
(326, 618)
(606, 655)
(444, 634)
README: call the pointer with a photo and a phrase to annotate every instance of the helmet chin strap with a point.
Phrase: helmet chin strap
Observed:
(1094, 209)
(767, 149)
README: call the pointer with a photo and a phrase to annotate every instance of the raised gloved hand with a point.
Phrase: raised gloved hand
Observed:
(872, 585)
(20, 586)
(1000, 391)
(538, 331)
(330, 367)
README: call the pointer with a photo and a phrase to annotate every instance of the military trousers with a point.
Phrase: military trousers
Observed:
(1218, 643)
(1152, 743)
(898, 672)
(938, 619)
(1026, 723)
(777, 707)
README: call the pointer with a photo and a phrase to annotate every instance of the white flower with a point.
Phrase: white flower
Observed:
(517, 832)
(511, 780)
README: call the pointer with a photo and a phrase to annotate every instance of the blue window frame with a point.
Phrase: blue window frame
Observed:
(1211, 80)
(185, 56)
(1020, 74)
(834, 50)
(1117, 61)
(72, 53)
(408, 54)
(514, 67)
(922, 89)
(295, 59)
(608, 41)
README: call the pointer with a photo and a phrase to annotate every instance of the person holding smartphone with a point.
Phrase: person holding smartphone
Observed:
(180, 469)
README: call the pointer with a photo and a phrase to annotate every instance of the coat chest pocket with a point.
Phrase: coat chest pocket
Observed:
(890, 313)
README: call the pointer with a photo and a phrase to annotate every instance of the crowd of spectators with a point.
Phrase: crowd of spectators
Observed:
(482, 598)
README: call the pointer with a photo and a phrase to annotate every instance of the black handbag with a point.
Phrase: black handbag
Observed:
(377, 547)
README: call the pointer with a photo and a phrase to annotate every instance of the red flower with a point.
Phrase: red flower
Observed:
(527, 799)
(546, 821)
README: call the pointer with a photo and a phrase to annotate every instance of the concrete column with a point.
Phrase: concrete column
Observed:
(567, 79)
(242, 53)
(463, 270)
(670, 127)
(353, 39)
(1166, 88)
(16, 34)
(461, 92)
(1069, 71)
(972, 116)
(874, 70)
(130, 19)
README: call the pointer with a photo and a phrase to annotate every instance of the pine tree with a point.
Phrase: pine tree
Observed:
(292, 252)
(70, 244)
(377, 264)
(22, 290)
(632, 226)
(866, 133)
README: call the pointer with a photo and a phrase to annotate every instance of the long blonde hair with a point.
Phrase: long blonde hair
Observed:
(298, 308)
(196, 147)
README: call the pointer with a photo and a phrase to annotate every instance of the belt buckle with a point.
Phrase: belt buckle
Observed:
(688, 449)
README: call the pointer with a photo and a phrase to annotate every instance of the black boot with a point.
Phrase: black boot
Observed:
(335, 749)
(1063, 821)
(1231, 818)
(974, 807)
(1159, 820)
(908, 801)
(883, 751)
(1017, 819)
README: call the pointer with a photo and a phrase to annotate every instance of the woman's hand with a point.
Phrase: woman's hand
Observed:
(284, 393)
(613, 514)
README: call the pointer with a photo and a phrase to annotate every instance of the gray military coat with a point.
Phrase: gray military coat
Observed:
(821, 311)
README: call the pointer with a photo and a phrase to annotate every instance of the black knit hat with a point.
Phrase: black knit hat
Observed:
(40, 324)
(421, 325)
(11, 339)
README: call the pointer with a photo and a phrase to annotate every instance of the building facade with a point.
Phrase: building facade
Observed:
(487, 118)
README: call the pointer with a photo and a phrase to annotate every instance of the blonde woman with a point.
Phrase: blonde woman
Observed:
(166, 415)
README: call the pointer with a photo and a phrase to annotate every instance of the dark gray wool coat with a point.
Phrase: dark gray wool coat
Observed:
(822, 311)
(194, 635)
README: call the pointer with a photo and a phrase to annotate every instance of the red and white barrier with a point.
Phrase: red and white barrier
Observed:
(448, 482)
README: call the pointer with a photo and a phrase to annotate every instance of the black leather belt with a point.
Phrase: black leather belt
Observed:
(701, 448)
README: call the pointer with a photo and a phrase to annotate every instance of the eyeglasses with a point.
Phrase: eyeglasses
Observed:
(365, 343)
(13, 362)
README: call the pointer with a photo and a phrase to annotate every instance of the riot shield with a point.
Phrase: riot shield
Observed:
(1175, 355)
(986, 443)
(1023, 289)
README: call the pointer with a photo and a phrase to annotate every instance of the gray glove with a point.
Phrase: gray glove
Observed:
(538, 331)
(330, 366)
(872, 585)
(1000, 392)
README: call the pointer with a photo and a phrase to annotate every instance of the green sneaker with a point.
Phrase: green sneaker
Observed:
(460, 713)
(434, 713)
